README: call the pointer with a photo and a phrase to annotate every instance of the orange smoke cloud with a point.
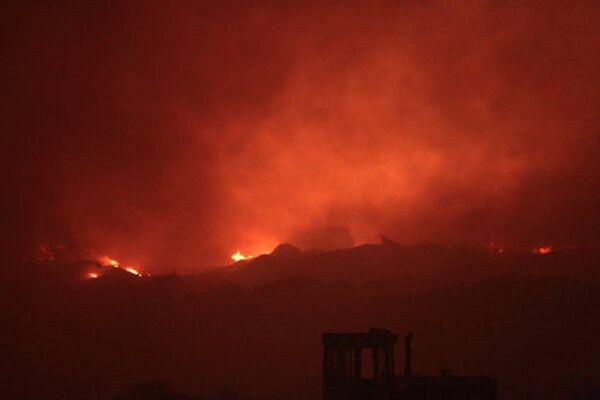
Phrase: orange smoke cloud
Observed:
(193, 130)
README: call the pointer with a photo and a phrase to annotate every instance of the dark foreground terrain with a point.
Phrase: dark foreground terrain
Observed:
(532, 321)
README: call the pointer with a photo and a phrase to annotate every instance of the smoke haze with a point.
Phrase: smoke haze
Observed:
(175, 134)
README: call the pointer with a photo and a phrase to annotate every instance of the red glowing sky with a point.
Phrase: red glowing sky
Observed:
(177, 134)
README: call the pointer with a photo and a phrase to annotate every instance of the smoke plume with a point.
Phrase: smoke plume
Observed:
(173, 134)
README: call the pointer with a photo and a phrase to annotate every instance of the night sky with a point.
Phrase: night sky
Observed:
(173, 134)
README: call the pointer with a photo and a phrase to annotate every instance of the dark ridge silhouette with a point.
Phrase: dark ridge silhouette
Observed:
(529, 320)
(417, 267)
(286, 250)
(323, 239)
(386, 241)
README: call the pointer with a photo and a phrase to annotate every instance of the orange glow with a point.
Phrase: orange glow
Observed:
(132, 271)
(543, 250)
(238, 256)
(107, 261)
(92, 275)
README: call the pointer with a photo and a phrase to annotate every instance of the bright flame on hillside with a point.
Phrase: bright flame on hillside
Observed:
(92, 275)
(132, 271)
(543, 250)
(238, 256)
(106, 261)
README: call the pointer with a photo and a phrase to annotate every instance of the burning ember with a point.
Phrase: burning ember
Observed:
(106, 261)
(238, 256)
(132, 271)
(543, 250)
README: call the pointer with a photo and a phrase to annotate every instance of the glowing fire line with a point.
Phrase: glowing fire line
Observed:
(543, 250)
(238, 256)
(132, 271)
(106, 261)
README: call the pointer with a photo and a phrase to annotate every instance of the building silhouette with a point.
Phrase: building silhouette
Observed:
(360, 366)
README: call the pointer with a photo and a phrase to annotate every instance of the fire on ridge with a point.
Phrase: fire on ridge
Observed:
(106, 261)
(543, 250)
(238, 256)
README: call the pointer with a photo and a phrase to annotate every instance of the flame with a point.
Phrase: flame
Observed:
(543, 250)
(107, 261)
(132, 271)
(238, 256)
(93, 275)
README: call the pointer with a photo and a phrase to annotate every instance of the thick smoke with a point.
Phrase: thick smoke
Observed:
(172, 135)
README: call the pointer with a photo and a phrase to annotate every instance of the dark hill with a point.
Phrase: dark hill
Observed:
(528, 320)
